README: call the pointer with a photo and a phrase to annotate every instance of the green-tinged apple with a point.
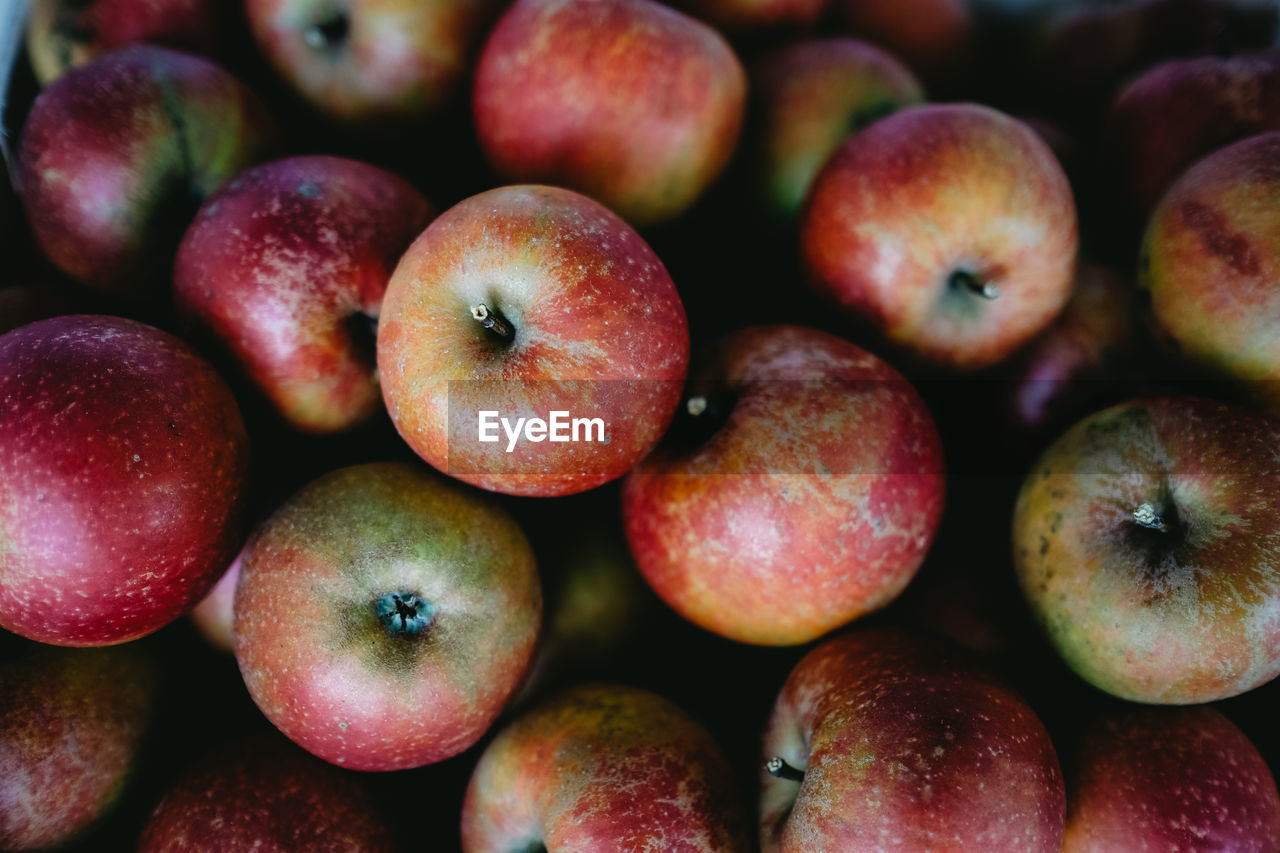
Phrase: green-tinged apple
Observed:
(123, 470)
(949, 229)
(371, 60)
(517, 303)
(262, 793)
(62, 34)
(603, 767)
(286, 267)
(757, 15)
(1181, 779)
(883, 740)
(72, 724)
(384, 615)
(214, 616)
(1210, 261)
(809, 97)
(116, 155)
(933, 37)
(1146, 541)
(802, 493)
(1179, 111)
(629, 101)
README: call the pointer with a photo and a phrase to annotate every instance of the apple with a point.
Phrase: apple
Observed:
(603, 767)
(371, 60)
(1209, 260)
(62, 34)
(123, 470)
(950, 229)
(1181, 110)
(1169, 779)
(262, 793)
(760, 15)
(519, 302)
(72, 725)
(881, 739)
(933, 37)
(802, 492)
(384, 616)
(286, 266)
(214, 615)
(628, 101)
(809, 97)
(115, 156)
(1144, 541)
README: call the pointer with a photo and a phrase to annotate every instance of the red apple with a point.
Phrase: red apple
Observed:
(1145, 541)
(1210, 259)
(384, 616)
(286, 267)
(950, 229)
(115, 156)
(603, 767)
(882, 740)
(123, 466)
(811, 499)
(629, 101)
(266, 795)
(934, 37)
(366, 60)
(810, 95)
(1169, 779)
(72, 723)
(63, 34)
(579, 317)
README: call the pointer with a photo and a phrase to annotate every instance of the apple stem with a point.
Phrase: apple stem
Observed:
(696, 405)
(404, 613)
(1147, 516)
(494, 322)
(330, 32)
(778, 768)
(969, 281)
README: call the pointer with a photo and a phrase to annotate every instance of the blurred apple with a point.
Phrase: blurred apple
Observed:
(286, 266)
(756, 15)
(802, 492)
(72, 724)
(123, 470)
(628, 101)
(933, 37)
(214, 616)
(522, 301)
(1145, 541)
(384, 616)
(949, 229)
(603, 767)
(115, 156)
(881, 739)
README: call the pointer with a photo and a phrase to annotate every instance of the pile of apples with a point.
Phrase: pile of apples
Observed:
(609, 425)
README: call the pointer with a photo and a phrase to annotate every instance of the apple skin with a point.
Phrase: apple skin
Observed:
(63, 34)
(599, 332)
(278, 264)
(214, 616)
(262, 793)
(1169, 779)
(116, 154)
(809, 96)
(1215, 100)
(1209, 260)
(929, 192)
(1177, 616)
(603, 767)
(812, 503)
(72, 724)
(628, 101)
(123, 471)
(368, 61)
(336, 678)
(906, 744)
(933, 37)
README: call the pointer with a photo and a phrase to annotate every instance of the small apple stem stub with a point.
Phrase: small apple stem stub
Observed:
(696, 406)
(1147, 516)
(778, 768)
(969, 281)
(494, 322)
(404, 613)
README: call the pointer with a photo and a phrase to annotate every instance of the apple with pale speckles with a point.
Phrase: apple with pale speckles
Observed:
(384, 615)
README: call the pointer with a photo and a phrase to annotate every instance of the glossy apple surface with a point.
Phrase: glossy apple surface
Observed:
(1145, 541)
(384, 615)
(123, 469)
(808, 499)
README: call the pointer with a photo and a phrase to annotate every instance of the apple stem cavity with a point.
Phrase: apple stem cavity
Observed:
(1147, 516)
(494, 322)
(404, 613)
(329, 33)
(778, 768)
(965, 280)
